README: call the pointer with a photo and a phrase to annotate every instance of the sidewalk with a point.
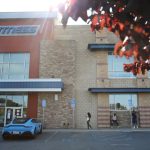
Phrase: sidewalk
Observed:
(99, 130)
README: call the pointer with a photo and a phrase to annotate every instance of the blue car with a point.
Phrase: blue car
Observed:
(22, 127)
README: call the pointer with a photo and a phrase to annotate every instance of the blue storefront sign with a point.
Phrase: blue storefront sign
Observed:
(19, 30)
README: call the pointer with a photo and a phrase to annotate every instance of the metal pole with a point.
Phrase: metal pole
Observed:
(43, 116)
(131, 110)
(131, 116)
(73, 113)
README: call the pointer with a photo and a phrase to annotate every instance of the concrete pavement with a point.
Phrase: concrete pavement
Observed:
(80, 139)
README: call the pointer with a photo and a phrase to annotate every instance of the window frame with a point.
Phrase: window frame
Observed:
(115, 74)
(133, 96)
(5, 70)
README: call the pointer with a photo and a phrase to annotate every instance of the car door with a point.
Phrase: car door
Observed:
(37, 125)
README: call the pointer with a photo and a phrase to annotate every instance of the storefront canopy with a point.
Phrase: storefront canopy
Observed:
(119, 90)
(97, 47)
(31, 85)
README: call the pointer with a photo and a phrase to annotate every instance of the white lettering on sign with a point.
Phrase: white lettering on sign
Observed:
(20, 30)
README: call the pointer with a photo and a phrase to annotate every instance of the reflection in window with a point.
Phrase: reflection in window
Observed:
(12, 101)
(122, 101)
(17, 101)
(1, 58)
(115, 66)
(2, 113)
(14, 65)
(6, 57)
(17, 58)
(25, 101)
(2, 101)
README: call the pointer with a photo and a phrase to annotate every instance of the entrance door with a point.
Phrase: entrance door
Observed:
(11, 113)
(122, 104)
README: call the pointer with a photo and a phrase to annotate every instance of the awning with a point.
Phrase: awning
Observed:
(119, 90)
(31, 85)
(97, 47)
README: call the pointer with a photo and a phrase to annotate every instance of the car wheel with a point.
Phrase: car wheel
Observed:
(34, 134)
(5, 136)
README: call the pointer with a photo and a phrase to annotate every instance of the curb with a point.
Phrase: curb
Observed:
(96, 130)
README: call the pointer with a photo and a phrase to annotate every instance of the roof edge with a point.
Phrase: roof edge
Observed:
(28, 15)
(119, 90)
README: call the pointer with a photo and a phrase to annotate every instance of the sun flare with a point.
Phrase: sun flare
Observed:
(29, 5)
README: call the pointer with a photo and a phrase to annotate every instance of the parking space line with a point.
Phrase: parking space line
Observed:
(50, 137)
(116, 144)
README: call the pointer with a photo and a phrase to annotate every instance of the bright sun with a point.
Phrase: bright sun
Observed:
(52, 3)
(28, 5)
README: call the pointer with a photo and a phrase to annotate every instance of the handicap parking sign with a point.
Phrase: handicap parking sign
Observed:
(73, 103)
(43, 103)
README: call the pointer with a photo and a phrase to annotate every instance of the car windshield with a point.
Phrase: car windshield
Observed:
(20, 120)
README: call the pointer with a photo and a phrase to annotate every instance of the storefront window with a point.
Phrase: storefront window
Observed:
(17, 101)
(2, 101)
(14, 65)
(2, 114)
(122, 101)
(10, 102)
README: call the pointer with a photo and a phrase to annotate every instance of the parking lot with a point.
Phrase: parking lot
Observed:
(81, 140)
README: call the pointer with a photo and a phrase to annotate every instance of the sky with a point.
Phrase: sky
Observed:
(32, 5)
(26, 5)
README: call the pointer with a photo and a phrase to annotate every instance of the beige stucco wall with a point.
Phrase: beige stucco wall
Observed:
(67, 57)
(57, 59)
(85, 75)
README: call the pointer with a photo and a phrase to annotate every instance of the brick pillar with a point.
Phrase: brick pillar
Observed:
(32, 105)
(103, 111)
(103, 117)
(144, 109)
(144, 116)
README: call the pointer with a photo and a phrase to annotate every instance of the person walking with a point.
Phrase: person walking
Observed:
(134, 119)
(88, 120)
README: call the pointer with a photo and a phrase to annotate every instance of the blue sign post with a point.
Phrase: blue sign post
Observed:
(73, 105)
(43, 103)
(43, 106)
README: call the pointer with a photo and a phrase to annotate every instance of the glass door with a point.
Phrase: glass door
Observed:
(11, 113)
(122, 105)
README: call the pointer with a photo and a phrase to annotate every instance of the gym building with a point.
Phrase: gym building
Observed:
(58, 75)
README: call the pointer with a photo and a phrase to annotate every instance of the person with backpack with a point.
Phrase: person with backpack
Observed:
(88, 120)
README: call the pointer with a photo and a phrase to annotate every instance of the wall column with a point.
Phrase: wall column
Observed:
(32, 105)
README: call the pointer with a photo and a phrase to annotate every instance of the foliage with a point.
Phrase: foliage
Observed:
(128, 19)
